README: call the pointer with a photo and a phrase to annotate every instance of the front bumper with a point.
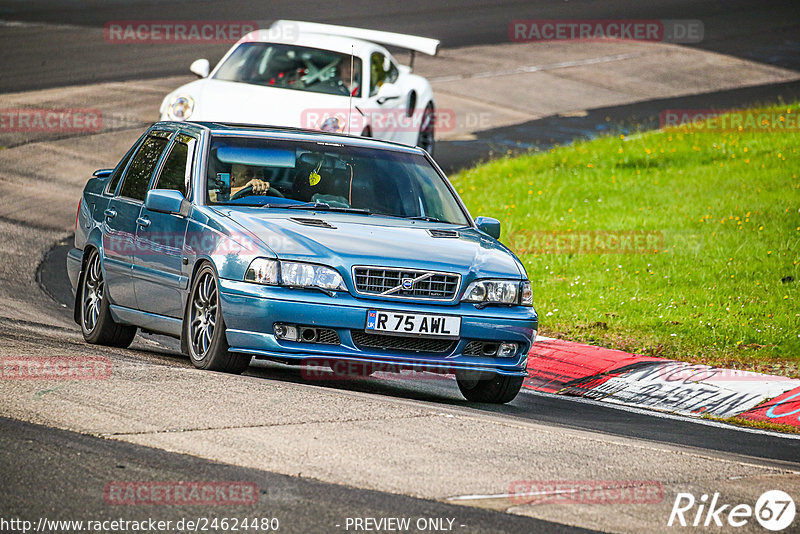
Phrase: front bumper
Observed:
(250, 312)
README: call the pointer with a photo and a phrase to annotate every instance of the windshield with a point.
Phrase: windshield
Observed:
(293, 67)
(280, 174)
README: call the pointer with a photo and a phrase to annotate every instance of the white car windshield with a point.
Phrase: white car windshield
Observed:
(279, 174)
(293, 67)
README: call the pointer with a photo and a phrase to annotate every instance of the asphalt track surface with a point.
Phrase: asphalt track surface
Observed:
(32, 457)
(46, 486)
(58, 56)
(538, 407)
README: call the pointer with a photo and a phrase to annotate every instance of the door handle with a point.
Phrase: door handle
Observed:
(110, 213)
(144, 222)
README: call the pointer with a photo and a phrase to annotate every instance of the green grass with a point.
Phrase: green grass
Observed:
(720, 288)
(761, 425)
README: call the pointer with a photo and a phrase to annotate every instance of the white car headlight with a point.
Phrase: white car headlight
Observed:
(181, 108)
(294, 274)
(332, 125)
(499, 292)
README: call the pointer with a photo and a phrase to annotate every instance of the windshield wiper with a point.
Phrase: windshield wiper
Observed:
(320, 206)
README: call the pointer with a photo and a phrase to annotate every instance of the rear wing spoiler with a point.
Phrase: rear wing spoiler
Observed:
(409, 42)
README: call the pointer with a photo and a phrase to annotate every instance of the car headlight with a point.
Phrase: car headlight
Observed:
(181, 108)
(294, 274)
(332, 125)
(499, 292)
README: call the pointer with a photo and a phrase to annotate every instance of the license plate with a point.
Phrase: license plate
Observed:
(423, 325)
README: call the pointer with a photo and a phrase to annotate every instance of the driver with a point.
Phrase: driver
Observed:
(344, 73)
(244, 175)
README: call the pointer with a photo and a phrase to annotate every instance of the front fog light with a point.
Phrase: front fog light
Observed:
(507, 350)
(286, 331)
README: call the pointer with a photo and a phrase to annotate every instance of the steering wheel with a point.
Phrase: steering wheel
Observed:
(341, 87)
(245, 191)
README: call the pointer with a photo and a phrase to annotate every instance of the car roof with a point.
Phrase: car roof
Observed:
(283, 132)
(335, 43)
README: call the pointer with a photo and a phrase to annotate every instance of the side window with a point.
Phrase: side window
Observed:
(141, 169)
(117, 174)
(177, 169)
(382, 70)
(392, 74)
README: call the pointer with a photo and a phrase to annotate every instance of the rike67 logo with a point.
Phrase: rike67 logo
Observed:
(774, 510)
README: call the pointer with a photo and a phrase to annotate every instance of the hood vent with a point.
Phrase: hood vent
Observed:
(308, 221)
(437, 232)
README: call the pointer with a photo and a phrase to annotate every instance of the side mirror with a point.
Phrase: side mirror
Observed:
(102, 173)
(388, 91)
(201, 67)
(166, 201)
(489, 226)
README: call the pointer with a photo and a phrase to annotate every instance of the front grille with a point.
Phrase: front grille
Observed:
(413, 344)
(389, 282)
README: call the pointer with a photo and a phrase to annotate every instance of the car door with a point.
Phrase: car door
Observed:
(119, 228)
(388, 119)
(160, 237)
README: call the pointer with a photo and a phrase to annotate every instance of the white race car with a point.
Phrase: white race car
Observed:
(314, 76)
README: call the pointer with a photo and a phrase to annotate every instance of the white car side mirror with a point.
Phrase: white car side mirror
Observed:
(388, 91)
(201, 67)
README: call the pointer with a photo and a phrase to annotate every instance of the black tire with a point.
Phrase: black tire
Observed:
(204, 328)
(497, 389)
(427, 126)
(94, 317)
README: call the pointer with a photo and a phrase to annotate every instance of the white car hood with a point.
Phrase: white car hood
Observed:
(234, 102)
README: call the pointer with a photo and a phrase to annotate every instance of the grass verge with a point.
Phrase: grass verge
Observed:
(676, 243)
(761, 425)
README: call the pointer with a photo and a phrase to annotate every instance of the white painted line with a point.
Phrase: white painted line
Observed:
(509, 495)
(22, 24)
(536, 68)
(664, 415)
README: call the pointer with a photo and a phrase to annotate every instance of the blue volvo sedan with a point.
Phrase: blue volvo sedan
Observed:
(297, 246)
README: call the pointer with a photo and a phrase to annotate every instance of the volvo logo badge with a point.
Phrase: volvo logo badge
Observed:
(408, 283)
